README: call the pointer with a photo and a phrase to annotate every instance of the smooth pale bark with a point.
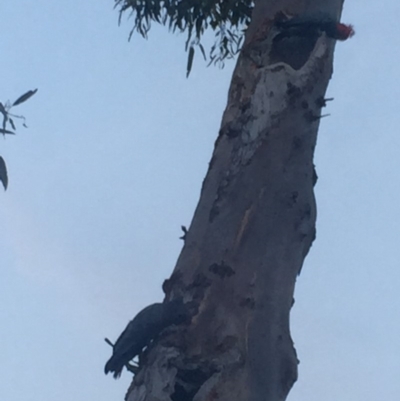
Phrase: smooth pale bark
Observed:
(253, 226)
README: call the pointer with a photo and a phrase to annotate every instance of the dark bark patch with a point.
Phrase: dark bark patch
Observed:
(297, 143)
(182, 393)
(294, 196)
(214, 212)
(169, 283)
(248, 303)
(288, 376)
(221, 192)
(230, 131)
(307, 211)
(246, 106)
(237, 87)
(313, 235)
(314, 176)
(211, 163)
(221, 270)
(188, 381)
(200, 281)
(234, 128)
(304, 105)
(227, 343)
(293, 90)
(198, 286)
(310, 116)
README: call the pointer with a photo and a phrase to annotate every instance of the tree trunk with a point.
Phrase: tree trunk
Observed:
(253, 227)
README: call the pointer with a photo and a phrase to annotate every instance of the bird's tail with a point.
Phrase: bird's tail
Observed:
(113, 366)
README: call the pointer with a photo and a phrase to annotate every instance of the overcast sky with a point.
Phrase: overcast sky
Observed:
(111, 165)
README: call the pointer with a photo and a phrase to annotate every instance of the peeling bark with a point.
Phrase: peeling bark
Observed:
(253, 226)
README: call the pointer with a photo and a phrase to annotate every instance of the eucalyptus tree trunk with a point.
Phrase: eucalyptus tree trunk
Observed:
(252, 228)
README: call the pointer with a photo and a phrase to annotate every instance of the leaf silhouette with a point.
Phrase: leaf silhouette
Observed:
(3, 109)
(24, 97)
(3, 173)
(6, 131)
(12, 123)
(190, 61)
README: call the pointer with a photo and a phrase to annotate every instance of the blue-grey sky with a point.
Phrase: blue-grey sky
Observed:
(111, 166)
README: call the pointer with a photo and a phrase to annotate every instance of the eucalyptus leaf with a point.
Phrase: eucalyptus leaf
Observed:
(190, 61)
(24, 97)
(3, 173)
(6, 131)
(228, 19)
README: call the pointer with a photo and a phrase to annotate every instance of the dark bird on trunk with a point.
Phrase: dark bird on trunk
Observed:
(297, 36)
(145, 326)
(313, 25)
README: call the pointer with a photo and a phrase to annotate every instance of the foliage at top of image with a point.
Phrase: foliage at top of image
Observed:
(8, 127)
(227, 18)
